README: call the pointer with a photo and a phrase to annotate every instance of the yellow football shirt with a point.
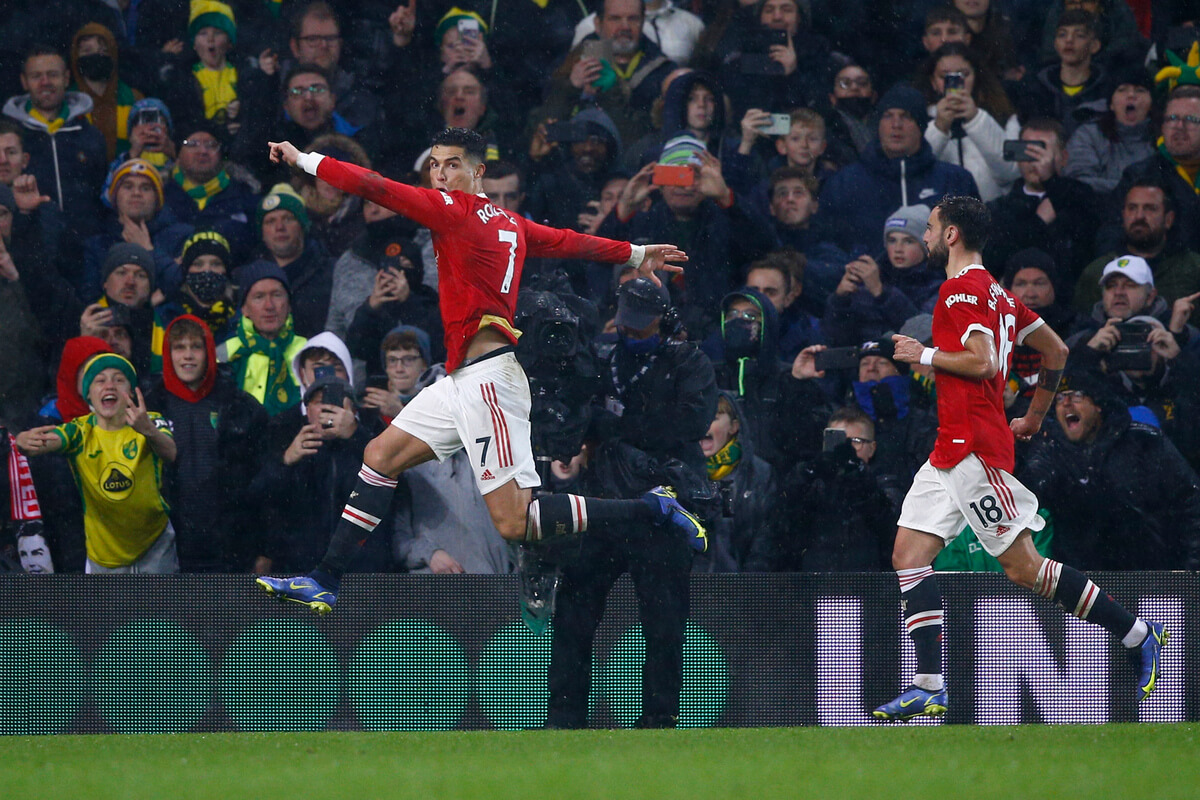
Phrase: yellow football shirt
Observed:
(120, 480)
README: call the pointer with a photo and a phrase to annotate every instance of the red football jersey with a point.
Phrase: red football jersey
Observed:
(480, 249)
(971, 412)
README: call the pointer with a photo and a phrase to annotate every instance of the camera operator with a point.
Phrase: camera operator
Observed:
(1151, 374)
(842, 504)
(659, 399)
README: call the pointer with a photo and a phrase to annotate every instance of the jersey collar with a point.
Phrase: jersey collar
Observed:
(968, 268)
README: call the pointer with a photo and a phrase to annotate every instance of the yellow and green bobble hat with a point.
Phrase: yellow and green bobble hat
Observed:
(98, 363)
(451, 18)
(283, 196)
(211, 14)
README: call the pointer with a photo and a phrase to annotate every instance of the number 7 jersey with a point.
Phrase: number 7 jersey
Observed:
(970, 411)
(480, 249)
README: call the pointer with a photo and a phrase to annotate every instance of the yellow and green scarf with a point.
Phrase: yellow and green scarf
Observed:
(723, 462)
(282, 392)
(201, 192)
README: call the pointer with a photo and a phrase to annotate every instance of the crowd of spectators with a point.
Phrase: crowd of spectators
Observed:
(208, 340)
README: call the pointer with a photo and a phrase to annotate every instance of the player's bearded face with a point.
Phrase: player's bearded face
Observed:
(939, 253)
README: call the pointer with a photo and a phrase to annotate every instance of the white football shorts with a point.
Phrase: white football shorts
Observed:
(483, 407)
(991, 501)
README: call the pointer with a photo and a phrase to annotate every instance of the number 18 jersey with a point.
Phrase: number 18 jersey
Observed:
(970, 411)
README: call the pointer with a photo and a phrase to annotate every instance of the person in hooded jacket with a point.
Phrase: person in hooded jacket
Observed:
(66, 152)
(740, 538)
(313, 456)
(693, 103)
(785, 415)
(565, 176)
(841, 505)
(94, 71)
(1121, 495)
(218, 430)
(898, 170)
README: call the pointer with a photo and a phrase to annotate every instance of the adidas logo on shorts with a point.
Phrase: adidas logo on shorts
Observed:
(488, 476)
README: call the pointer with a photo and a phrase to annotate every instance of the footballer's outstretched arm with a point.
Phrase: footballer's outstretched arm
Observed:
(546, 242)
(428, 207)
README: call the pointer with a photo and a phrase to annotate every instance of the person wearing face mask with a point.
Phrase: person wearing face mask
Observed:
(905, 424)
(94, 72)
(659, 398)
(94, 64)
(786, 414)
(218, 435)
(205, 292)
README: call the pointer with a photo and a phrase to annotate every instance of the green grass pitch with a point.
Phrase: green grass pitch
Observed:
(958, 762)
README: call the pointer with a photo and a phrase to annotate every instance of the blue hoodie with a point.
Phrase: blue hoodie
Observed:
(858, 199)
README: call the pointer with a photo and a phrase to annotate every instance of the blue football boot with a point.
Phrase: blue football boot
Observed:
(915, 702)
(1151, 649)
(662, 500)
(302, 589)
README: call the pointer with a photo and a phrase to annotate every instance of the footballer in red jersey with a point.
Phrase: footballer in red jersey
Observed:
(483, 404)
(968, 478)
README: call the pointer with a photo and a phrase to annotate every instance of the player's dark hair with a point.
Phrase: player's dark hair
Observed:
(970, 216)
(473, 145)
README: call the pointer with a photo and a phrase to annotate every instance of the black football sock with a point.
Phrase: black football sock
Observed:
(921, 604)
(369, 501)
(561, 514)
(1072, 590)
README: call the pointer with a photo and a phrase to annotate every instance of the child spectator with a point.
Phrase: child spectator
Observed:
(217, 89)
(1074, 87)
(217, 429)
(125, 516)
